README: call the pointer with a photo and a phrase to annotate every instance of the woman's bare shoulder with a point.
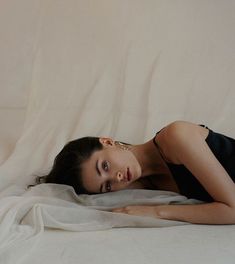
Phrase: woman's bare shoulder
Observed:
(179, 126)
(169, 135)
(181, 129)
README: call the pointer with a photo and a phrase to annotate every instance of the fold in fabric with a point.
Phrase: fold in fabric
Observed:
(24, 216)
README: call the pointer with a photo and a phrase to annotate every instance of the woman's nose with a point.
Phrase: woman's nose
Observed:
(120, 176)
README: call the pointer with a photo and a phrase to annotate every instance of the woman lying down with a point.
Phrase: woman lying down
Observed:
(183, 157)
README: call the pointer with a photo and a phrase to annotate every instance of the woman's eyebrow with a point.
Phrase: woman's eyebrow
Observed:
(98, 171)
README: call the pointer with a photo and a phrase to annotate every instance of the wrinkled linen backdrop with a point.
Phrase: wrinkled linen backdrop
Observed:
(122, 69)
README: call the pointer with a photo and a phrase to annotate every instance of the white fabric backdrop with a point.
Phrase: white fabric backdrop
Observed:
(122, 69)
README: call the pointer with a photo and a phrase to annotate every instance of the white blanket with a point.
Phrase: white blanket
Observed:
(25, 214)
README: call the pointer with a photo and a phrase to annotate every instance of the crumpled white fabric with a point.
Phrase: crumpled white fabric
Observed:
(26, 213)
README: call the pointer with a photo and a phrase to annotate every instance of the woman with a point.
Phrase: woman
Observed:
(183, 157)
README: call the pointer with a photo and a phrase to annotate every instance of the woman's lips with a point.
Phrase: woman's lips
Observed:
(129, 175)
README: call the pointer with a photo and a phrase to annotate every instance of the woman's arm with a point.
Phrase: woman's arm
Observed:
(208, 213)
(189, 148)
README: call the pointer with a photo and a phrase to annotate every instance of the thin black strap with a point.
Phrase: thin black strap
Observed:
(203, 126)
(155, 143)
(159, 149)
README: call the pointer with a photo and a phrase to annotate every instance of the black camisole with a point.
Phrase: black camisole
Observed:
(223, 147)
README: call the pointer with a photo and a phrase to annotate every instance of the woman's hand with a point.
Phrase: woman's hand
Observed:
(142, 210)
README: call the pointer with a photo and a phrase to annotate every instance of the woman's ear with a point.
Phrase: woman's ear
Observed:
(106, 141)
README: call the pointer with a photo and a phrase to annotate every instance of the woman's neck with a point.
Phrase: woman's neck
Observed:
(149, 158)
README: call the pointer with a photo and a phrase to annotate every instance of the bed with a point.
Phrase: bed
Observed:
(122, 69)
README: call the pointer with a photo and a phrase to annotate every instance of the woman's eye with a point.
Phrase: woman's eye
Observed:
(105, 166)
(108, 187)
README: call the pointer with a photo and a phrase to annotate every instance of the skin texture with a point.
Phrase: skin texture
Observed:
(180, 143)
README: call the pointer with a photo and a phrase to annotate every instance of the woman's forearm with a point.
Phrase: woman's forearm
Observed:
(208, 213)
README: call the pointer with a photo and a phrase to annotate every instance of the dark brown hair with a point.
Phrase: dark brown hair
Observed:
(67, 164)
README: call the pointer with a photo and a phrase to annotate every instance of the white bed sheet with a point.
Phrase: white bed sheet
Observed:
(108, 68)
(179, 244)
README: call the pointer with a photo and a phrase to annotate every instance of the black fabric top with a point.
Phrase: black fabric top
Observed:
(223, 148)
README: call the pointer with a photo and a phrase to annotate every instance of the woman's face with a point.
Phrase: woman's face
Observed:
(108, 169)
